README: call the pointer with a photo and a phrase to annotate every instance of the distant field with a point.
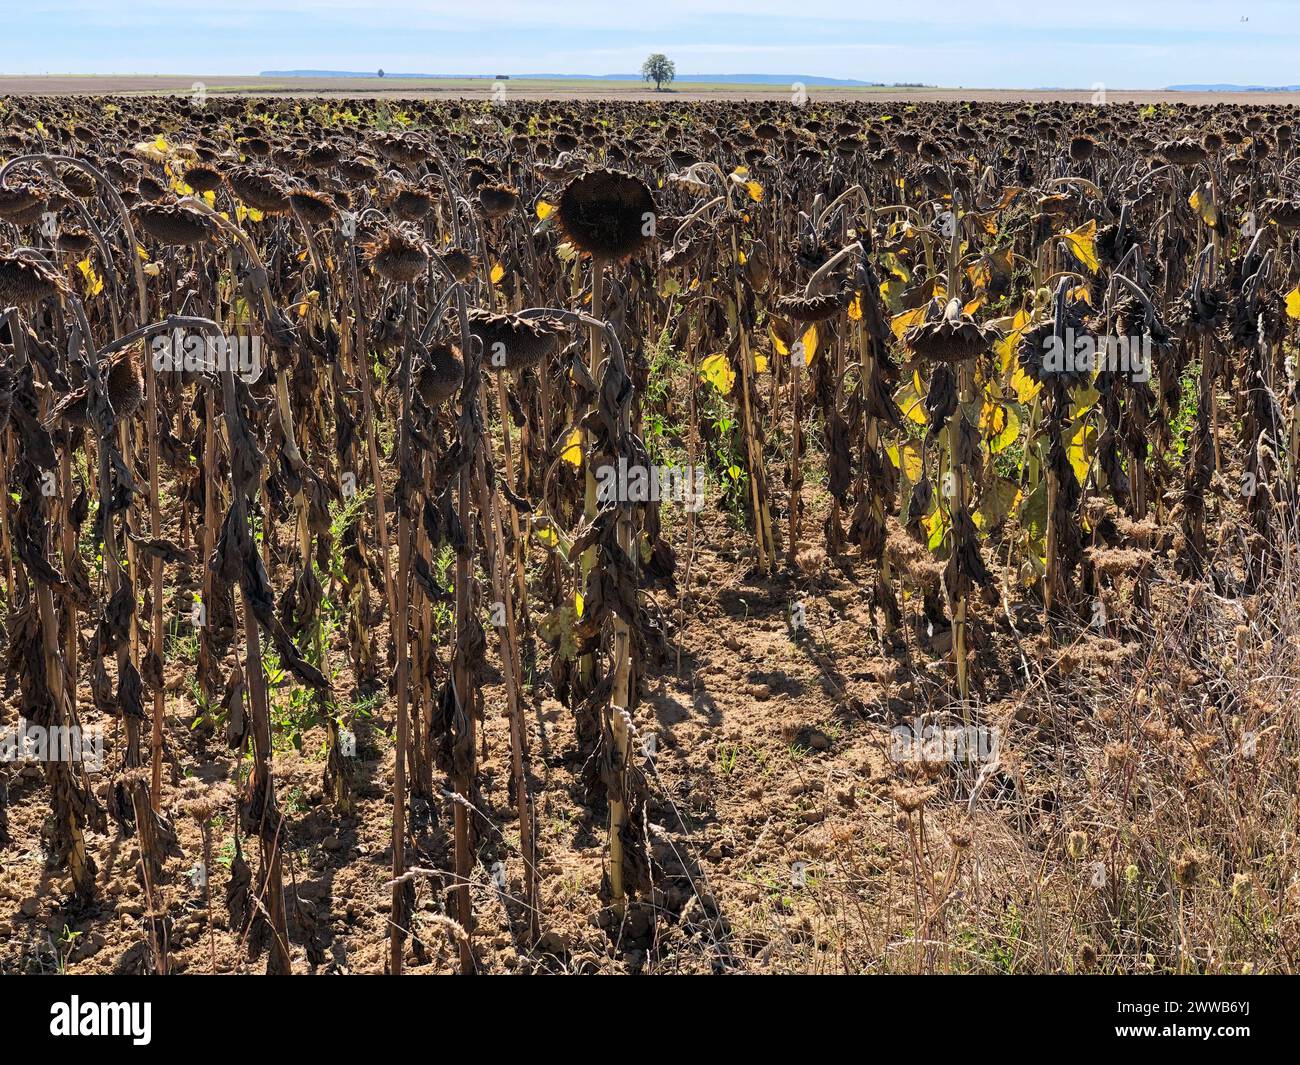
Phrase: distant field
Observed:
(466, 87)
(576, 88)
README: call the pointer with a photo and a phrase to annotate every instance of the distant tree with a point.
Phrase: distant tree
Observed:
(381, 72)
(659, 69)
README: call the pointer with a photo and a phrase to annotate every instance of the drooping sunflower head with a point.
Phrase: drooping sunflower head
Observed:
(954, 337)
(17, 200)
(1082, 148)
(497, 201)
(260, 189)
(399, 254)
(202, 178)
(314, 208)
(74, 241)
(1182, 152)
(608, 214)
(441, 375)
(23, 282)
(410, 204)
(813, 308)
(173, 224)
(459, 263)
(126, 384)
(511, 342)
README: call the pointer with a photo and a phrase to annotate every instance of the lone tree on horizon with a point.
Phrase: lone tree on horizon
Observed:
(659, 69)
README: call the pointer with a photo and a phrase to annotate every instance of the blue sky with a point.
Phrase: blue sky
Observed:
(985, 43)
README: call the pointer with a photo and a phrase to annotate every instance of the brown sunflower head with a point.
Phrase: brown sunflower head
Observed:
(150, 188)
(17, 200)
(411, 204)
(497, 201)
(511, 342)
(259, 188)
(322, 156)
(1048, 354)
(23, 282)
(1082, 148)
(314, 208)
(608, 214)
(812, 308)
(357, 170)
(399, 254)
(77, 182)
(126, 385)
(950, 338)
(174, 224)
(459, 263)
(1286, 213)
(75, 241)
(1185, 151)
(441, 375)
(202, 178)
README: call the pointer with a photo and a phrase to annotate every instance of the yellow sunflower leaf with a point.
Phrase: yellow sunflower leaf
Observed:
(1202, 202)
(901, 323)
(572, 453)
(498, 272)
(1080, 292)
(895, 266)
(936, 524)
(891, 292)
(1005, 349)
(94, 283)
(1025, 387)
(855, 308)
(997, 501)
(910, 403)
(1000, 425)
(778, 345)
(544, 209)
(809, 342)
(1293, 302)
(1083, 243)
(1080, 450)
(718, 372)
(908, 459)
